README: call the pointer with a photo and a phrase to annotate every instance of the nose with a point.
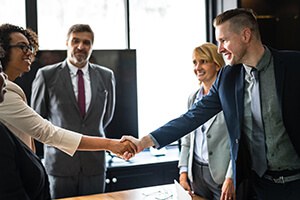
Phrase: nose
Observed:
(220, 48)
(29, 52)
(80, 45)
(196, 65)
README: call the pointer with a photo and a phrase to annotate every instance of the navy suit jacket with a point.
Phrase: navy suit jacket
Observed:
(227, 94)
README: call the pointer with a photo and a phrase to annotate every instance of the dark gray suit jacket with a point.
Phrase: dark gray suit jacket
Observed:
(53, 98)
(227, 94)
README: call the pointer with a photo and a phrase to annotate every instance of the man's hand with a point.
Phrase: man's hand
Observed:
(119, 147)
(183, 180)
(141, 144)
(228, 191)
(134, 140)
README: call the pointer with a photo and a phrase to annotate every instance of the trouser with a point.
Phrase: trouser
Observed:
(70, 186)
(203, 183)
(268, 188)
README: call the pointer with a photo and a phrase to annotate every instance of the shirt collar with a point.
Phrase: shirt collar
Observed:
(74, 69)
(265, 60)
(263, 63)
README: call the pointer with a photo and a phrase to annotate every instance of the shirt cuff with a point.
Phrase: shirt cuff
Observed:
(156, 144)
(183, 169)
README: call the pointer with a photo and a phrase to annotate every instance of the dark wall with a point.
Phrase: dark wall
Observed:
(123, 63)
(279, 22)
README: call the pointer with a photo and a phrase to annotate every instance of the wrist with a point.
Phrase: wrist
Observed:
(146, 142)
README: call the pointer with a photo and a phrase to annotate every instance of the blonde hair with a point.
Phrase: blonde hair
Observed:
(209, 52)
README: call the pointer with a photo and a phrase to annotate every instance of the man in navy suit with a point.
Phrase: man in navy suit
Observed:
(239, 41)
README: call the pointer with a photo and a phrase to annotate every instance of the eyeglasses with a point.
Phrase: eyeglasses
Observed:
(24, 47)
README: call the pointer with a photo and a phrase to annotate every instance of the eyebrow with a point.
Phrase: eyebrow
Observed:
(20, 43)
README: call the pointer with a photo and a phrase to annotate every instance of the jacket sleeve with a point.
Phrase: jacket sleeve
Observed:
(229, 173)
(197, 115)
(23, 121)
(111, 100)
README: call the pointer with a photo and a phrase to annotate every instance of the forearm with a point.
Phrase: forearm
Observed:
(88, 143)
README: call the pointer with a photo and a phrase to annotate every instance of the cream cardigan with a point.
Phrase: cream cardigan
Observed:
(26, 124)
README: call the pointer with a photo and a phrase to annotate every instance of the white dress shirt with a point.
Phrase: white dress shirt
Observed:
(87, 82)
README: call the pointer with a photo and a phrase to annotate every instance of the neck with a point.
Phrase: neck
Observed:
(206, 87)
(11, 75)
(255, 52)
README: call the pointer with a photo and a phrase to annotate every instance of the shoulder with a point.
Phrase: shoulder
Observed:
(13, 90)
(229, 73)
(101, 69)
(52, 67)
(285, 55)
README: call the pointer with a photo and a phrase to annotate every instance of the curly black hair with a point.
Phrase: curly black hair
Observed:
(5, 31)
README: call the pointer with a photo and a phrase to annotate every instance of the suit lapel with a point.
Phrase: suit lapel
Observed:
(67, 84)
(93, 79)
(279, 76)
(239, 93)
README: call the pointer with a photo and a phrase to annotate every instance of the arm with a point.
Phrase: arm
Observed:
(228, 189)
(25, 122)
(98, 143)
(111, 99)
(183, 163)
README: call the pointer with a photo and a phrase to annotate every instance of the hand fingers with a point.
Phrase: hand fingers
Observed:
(133, 147)
(126, 155)
(125, 137)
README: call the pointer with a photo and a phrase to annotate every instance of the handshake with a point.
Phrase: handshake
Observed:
(128, 146)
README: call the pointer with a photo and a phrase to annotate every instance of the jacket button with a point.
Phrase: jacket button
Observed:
(208, 136)
(236, 141)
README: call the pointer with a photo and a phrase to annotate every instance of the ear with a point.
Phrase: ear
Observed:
(217, 67)
(247, 34)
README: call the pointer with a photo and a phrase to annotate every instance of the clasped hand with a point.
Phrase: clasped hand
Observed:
(126, 147)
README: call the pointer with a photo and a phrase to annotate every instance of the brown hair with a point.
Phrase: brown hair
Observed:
(239, 18)
(80, 28)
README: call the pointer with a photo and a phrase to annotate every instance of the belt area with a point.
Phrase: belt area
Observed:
(200, 163)
(282, 179)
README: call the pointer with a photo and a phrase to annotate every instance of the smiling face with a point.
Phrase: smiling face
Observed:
(205, 71)
(231, 44)
(79, 46)
(20, 57)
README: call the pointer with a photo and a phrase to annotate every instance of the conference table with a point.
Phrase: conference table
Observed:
(161, 192)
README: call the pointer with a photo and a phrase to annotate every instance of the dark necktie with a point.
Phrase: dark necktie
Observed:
(259, 161)
(81, 93)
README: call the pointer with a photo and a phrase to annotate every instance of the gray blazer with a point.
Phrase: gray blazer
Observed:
(217, 144)
(54, 99)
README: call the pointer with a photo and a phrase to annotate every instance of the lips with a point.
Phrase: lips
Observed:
(28, 60)
(200, 73)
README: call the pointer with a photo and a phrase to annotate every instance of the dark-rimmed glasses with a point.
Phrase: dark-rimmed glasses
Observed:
(24, 47)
